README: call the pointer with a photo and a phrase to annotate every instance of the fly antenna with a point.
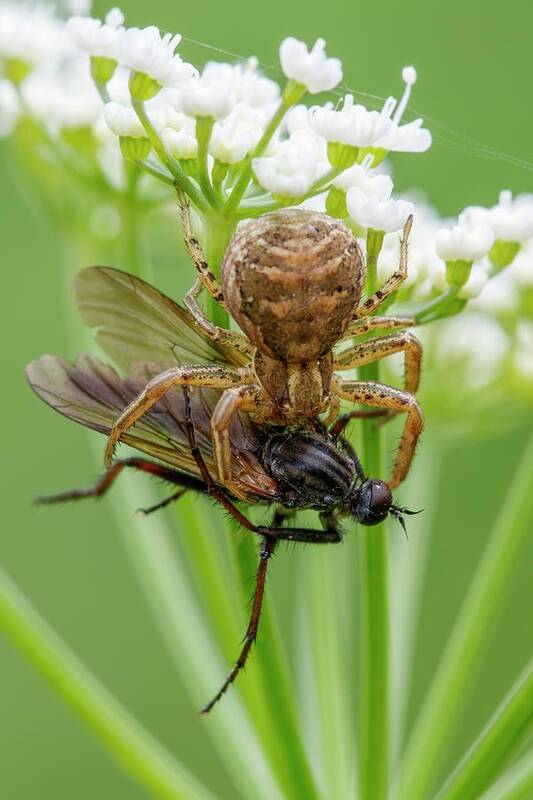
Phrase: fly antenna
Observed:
(398, 512)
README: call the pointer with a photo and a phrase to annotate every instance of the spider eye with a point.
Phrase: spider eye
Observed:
(373, 503)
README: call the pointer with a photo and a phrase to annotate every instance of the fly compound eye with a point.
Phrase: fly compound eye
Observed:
(373, 502)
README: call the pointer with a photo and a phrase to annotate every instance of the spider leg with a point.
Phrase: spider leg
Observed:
(104, 483)
(244, 398)
(197, 254)
(382, 396)
(202, 375)
(374, 349)
(221, 336)
(358, 327)
(373, 302)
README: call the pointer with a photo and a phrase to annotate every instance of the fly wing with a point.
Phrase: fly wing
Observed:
(93, 394)
(138, 324)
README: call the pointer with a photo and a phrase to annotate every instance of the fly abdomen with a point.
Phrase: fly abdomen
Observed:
(310, 468)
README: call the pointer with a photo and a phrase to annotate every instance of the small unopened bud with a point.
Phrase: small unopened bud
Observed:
(336, 203)
(458, 272)
(102, 69)
(503, 253)
(134, 149)
(143, 87)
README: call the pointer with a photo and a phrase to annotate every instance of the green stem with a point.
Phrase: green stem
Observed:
(244, 178)
(173, 167)
(155, 173)
(502, 736)
(439, 714)
(374, 690)
(132, 747)
(187, 632)
(218, 232)
(322, 594)
(408, 573)
(446, 305)
(516, 784)
(204, 128)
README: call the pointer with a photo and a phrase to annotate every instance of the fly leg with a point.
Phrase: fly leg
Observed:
(267, 549)
(104, 483)
(338, 427)
(270, 537)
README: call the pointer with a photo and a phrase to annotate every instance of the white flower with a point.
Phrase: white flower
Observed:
(144, 50)
(30, 33)
(244, 83)
(298, 163)
(464, 242)
(356, 126)
(371, 183)
(477, 280)
(181, 144)
(236, 136)
(311, 68)
(9, 109)
(409, 138)
(352, 125)
(65, 100)
(201, 98)
(97, 38)
(123, 121)
(521, 270)
(511, 221)
(383, 215)
(298, 119)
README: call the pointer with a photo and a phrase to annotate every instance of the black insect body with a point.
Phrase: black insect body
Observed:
(145, 332)
(311, 471)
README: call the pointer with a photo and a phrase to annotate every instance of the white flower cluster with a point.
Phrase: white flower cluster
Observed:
(239, 143)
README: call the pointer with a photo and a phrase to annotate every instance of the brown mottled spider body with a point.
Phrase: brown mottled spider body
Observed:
(293, 281)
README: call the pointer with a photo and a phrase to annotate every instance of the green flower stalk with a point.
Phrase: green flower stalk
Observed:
(321, 710)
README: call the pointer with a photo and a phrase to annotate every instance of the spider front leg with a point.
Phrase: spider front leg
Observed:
(374, 349)
(207, 280)
(382, 396)
(358, 327)
(202, 375)
(197, 254)
(245, 398)
(373, 302)
(221, 336)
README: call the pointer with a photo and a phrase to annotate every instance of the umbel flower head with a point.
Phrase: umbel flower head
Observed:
(238, 144)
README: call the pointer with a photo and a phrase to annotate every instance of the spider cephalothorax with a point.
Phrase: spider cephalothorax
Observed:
(293, 281)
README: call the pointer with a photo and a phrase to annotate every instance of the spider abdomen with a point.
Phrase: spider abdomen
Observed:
(292, 280)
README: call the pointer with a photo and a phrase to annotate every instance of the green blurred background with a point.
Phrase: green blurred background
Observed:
(474, 63)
